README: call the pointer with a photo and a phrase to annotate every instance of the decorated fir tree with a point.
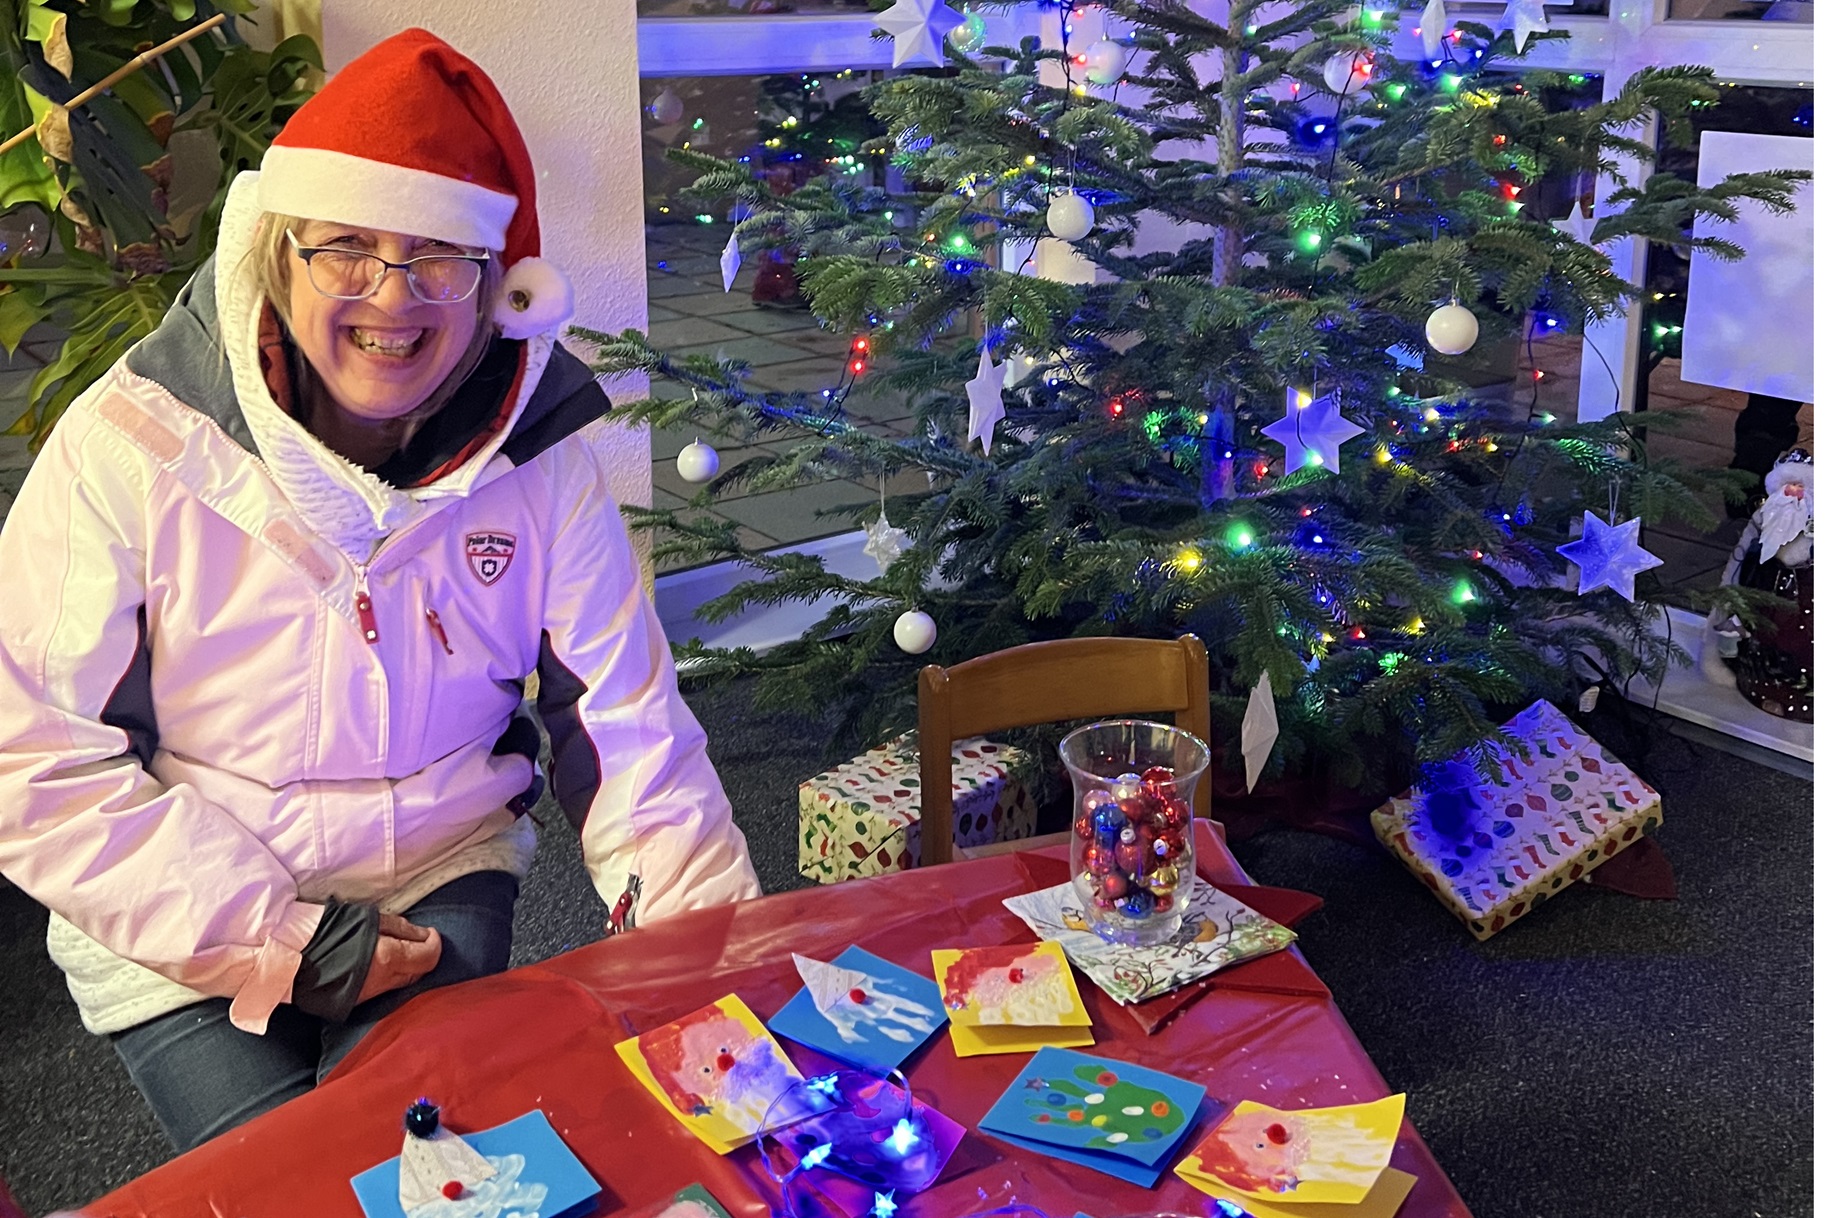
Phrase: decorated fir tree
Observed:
(1263, 433)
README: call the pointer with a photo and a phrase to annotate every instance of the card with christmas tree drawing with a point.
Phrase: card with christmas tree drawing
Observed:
(1011, 999)
(1219, 931)
(719, 1072)
(1113, 1116)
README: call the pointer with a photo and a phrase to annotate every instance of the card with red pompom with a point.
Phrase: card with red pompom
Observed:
(532, 1171)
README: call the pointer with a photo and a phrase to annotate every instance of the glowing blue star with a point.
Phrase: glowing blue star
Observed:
(1608, 556)
(825, 1084)
(884, 1205)
(1311, 432)
(905, 1137)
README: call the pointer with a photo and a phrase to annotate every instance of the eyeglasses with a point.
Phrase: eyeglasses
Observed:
(346, 274)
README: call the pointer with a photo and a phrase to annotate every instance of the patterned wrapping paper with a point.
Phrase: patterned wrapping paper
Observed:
(1565, 805)
(863, 818)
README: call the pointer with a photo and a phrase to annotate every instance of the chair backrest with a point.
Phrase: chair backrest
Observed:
(1046, 683)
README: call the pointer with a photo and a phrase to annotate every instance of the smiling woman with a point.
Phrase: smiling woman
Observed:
(384, 327)
(284, 573)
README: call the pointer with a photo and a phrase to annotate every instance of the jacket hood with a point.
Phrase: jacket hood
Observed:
(205, 352)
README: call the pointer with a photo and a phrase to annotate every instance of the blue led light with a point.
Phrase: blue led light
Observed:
(818, 1154)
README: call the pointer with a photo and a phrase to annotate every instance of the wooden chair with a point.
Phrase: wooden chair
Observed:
(1046, 683)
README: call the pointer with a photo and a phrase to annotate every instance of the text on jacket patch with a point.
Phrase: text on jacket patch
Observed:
(489, 555)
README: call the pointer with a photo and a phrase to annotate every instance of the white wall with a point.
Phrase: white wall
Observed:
(568, 73)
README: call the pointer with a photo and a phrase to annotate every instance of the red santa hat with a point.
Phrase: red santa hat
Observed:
(413, 137)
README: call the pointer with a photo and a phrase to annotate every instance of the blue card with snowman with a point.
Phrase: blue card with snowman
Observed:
(860, 1009)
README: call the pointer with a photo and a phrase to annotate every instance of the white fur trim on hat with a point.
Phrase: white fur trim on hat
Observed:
(316, 184)
(535, 297)
(1794, 466)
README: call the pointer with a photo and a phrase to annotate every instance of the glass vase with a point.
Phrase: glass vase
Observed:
(1132, 833)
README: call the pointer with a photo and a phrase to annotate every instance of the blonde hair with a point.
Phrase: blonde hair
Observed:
(273, 260)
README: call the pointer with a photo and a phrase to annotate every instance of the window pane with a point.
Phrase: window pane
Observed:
(1742, 10)
(760, 9)
(1720, 428)
(790, 129)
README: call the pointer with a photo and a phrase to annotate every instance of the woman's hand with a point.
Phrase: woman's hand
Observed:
(403, 954)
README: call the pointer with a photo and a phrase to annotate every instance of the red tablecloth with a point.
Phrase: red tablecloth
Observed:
(543, 1036)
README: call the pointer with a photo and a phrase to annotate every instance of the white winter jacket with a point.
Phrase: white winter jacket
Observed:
(240, 676)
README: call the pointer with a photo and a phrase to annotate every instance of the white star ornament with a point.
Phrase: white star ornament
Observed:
(1608, 556)
(985, 392)
(1312, 433)
(919, 26)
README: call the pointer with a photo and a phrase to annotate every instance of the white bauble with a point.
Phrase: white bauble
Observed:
(1069, 216)
(1348, 72)
(967, 36)
(667, 107)
(1104, 62)
(1452, 329)
(698, 462)
(914, 632)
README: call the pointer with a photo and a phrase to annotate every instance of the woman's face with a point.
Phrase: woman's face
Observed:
(382, 357)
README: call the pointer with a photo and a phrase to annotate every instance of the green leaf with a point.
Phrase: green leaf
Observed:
(18, 313)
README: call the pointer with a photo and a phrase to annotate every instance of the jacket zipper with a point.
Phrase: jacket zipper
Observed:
(364, 607)
(437, 628)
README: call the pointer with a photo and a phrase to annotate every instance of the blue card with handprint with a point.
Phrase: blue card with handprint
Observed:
(1113, 1116)
(861, 1010)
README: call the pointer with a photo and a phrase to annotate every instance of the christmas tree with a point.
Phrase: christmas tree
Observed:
(1264, 432)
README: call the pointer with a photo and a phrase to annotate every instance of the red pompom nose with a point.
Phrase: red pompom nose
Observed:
(725, 1062)
(1277, 1134)
(452, 1189)
(858, 996)
(1015, 975)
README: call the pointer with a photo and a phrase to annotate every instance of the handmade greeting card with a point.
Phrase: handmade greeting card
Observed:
(1011, 999)
(530, 1170)
(719, 1072)
(1315, 1156)
(1219, 931)
(692, 1201)
(1382, 1201)
(1119, 1118)
(860, 1009)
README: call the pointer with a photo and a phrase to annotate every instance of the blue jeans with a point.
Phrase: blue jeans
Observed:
(203, 1076)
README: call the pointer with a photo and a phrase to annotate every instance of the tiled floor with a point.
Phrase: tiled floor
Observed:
(689, 313)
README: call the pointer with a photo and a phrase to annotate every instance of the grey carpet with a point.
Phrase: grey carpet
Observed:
(1603, 1057)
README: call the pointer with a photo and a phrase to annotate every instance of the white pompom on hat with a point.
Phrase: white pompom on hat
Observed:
(413, 137)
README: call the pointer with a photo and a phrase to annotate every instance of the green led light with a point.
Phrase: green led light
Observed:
(1311, 239)
(1576, 78)
(702, 218)
(1239, 537)
(1395, 391)
(1396, 91)
(1463, 592)
(1450, 83)
(697, 124)
(959, 243)
(1314, 458)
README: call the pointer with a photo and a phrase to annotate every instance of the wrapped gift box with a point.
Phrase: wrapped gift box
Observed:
(863, 818)
(1562, 808)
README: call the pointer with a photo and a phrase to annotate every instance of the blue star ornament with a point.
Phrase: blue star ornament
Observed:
(1608, 556)
(918, 26)
(1312, 431)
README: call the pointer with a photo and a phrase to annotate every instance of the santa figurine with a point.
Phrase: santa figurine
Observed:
(1773, 665)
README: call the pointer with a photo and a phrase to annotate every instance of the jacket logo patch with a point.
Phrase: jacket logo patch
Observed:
(489, 555)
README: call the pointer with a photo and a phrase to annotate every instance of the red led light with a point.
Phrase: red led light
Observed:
(1357, 632)
(860, 345)
(857, 366)
(1306, 511)
(1116, 407)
